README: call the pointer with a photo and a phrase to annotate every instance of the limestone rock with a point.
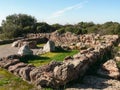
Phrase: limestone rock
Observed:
(15, 44)
(64, 74)
(25, 50)
(25, 73)
(45, 80)
(49, 46)
(109, 69)
(117, 59)
(37, 72)
(16, 66)
(20, 43)
(10, 63)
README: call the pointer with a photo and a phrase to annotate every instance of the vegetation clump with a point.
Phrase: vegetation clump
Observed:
(21, 24)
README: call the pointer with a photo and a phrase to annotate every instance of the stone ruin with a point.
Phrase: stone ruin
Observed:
(49, 46)
(57, 74)
(68, 39)
(59, 39)
(20, 43)
(25, 50)
(109, 69)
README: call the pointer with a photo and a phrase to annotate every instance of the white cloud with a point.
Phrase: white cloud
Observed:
(70, 8)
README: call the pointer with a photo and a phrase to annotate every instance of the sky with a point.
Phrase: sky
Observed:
(63, 11)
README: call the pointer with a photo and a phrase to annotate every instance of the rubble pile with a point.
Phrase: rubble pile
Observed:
(56, 74)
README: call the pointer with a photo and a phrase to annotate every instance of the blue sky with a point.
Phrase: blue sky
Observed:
(64, 11)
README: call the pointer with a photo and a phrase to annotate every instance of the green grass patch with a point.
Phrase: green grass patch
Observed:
(47, 57)
(59, 56)
(4, 81)
(40, 45)
(8, 81)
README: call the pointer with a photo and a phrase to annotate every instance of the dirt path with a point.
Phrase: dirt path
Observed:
(6, 50)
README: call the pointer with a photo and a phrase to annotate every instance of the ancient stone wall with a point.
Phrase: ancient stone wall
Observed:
(59, 39)
(9, 41)
(56, 74)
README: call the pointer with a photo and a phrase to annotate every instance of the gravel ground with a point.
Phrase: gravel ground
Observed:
(6, 50)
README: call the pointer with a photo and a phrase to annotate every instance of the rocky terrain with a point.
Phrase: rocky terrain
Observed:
(93, 49)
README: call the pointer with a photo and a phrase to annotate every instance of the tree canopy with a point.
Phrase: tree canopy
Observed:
(21, 24)
(17, 24)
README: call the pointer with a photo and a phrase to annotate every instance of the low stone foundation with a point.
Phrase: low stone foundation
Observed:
(57, 74)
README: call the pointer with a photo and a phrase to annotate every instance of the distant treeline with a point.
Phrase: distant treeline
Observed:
(17, 25)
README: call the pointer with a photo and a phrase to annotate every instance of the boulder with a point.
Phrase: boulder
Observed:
(49, 46)
(20, 43)
(10, 63)
(37, 72)
(25, 73)
(16, 66)
(25, 50)
(109, 69)
(64, 74)
(15, 44)
(117, 59)
(45, 80)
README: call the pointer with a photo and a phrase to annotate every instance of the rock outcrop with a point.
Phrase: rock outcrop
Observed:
(20, 43)
(109, 69)
(49, 46)
(25, 50)
(57, 74)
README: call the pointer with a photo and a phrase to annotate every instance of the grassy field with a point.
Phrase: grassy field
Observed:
(47, 57)
(10, 82)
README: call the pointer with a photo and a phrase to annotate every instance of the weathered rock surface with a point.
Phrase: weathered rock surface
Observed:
(12, 68)
(15, 44)
(31, 44)
(117, 59)
(25, 50)
(25, 72)
(49, 46)
(46, 68)
(20, 43)
(110, 69)
(57, 74)
(96, 83)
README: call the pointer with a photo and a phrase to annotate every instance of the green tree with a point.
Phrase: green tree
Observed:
(42, 27)
(56, 26)
(18, 24)
(10, 30)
